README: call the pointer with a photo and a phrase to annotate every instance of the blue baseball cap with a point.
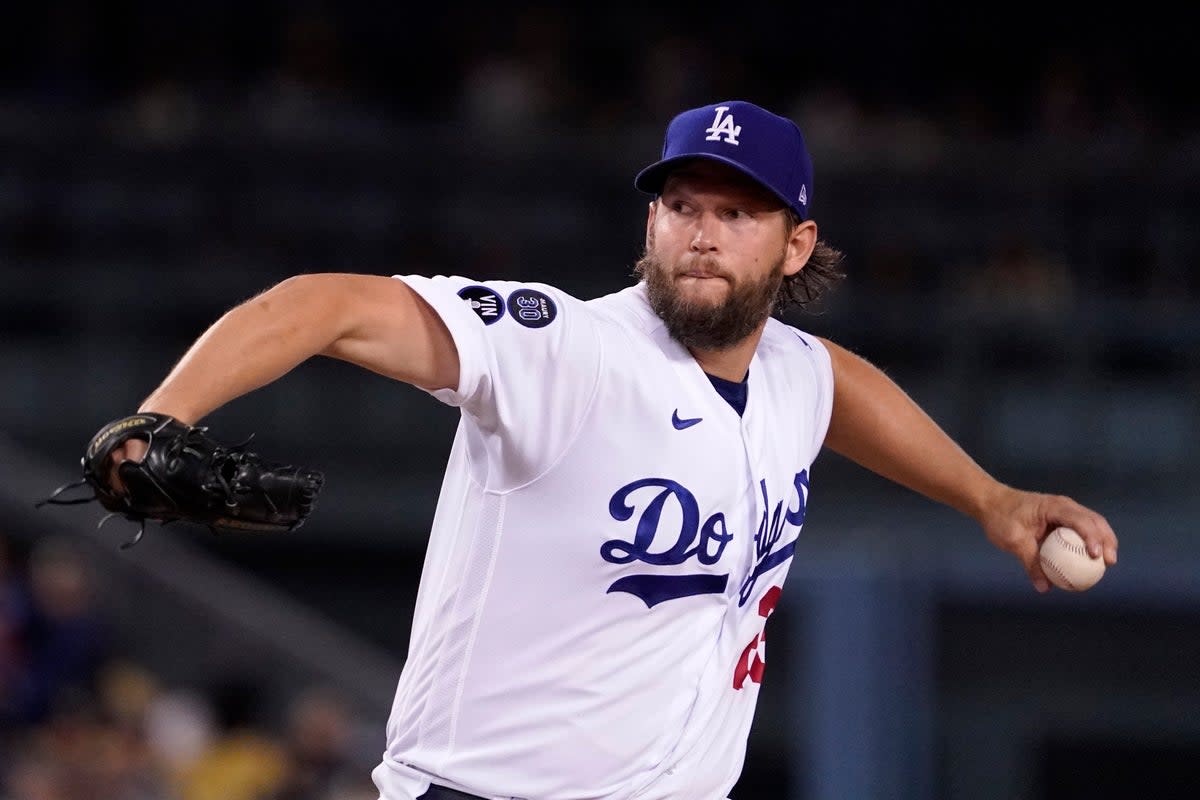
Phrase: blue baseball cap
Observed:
(762, 145)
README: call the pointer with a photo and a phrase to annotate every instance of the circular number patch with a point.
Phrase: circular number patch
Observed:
(531, 308)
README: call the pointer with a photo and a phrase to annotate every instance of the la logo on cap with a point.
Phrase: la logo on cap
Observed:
(723, 124)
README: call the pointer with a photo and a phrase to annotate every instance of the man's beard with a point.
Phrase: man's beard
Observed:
(705, 326)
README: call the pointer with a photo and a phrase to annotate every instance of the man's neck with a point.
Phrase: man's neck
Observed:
(731, 363)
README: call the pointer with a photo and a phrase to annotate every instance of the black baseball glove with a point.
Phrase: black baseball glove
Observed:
(187, 475)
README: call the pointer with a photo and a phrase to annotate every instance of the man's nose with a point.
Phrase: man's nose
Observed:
(703, 237)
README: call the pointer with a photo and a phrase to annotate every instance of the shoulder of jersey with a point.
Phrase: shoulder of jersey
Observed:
(780, 335)
(626, 307)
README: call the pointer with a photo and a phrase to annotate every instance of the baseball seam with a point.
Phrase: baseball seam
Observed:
(1050, 565)
(1077, 549)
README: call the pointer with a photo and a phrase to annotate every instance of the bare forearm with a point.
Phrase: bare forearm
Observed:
(250, 346)
(877, 425)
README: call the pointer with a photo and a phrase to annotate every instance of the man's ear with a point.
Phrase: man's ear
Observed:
(651, 213)
(799, 248)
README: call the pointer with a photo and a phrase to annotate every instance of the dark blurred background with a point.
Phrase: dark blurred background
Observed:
(1017, 190)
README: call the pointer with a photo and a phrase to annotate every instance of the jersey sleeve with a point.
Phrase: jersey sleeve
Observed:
(822, 366)
(529, 362)
(819, 378)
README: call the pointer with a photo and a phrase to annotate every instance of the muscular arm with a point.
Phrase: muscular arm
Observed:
(373, 321)
(878, 426)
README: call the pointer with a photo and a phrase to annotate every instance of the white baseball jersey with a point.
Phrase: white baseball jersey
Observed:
(610, 539)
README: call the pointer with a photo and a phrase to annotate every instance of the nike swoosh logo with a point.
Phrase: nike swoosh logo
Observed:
(680, 424)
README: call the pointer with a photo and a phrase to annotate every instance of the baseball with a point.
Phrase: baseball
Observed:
(1066, 562)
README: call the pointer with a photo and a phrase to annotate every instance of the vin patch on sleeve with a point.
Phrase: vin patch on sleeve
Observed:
(487, 304)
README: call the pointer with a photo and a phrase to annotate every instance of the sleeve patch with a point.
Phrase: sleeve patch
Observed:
(487, 304)
(532, 308)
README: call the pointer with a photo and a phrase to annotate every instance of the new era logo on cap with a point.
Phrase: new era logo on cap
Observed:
(765, 146)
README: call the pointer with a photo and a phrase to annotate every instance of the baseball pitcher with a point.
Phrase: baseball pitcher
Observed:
(626, 486)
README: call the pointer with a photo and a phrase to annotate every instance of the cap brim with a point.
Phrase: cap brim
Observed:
(651, 179)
